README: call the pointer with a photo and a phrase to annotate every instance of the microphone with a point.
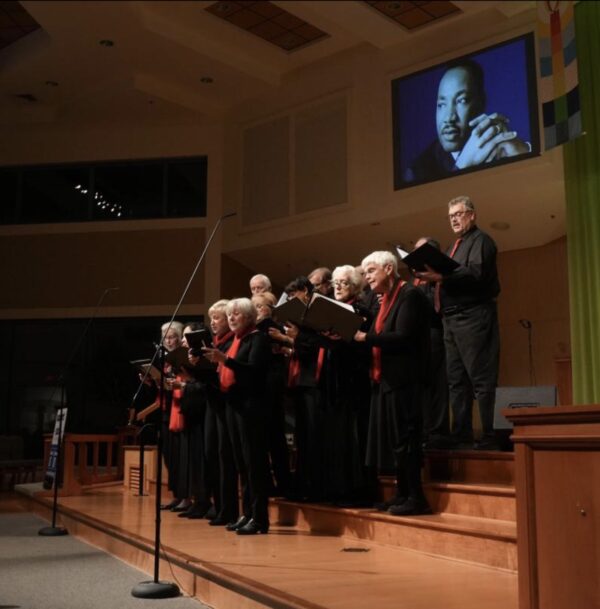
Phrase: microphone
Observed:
(229, 215)
(525, 323)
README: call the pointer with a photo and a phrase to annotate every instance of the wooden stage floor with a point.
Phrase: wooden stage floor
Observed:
(288, 568)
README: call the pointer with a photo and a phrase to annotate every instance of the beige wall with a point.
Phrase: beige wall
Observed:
(40, 260)
(534, 287)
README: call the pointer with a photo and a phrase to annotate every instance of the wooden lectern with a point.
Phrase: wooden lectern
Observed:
(557, 470)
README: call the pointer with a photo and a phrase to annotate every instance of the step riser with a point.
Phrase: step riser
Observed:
(499, 553)
(470, 469)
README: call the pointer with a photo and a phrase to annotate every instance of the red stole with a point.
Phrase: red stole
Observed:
(226, 374)
(388, 301)
(219, 340)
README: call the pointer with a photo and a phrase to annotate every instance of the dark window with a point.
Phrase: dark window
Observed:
(55, 194)
(186, 188)
(128, 191)
(167, 188)
(8, 187)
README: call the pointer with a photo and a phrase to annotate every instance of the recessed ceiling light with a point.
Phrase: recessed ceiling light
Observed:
(106, 43)
(51, 83)
(500, 225)
(207, 80)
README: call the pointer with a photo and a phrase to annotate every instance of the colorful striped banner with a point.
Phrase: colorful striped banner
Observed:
(559, 81)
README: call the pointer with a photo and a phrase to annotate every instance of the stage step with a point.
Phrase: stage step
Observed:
(470, 466)
(467, 499)
(487, 541)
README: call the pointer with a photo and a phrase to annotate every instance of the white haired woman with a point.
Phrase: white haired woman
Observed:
(348, 482)
(242, 376)
(400, 351)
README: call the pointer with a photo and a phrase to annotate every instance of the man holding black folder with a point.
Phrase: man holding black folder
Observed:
(466, 297)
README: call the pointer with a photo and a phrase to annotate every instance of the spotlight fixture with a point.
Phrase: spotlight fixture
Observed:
(105, 42)
(51, 83)
(207, 80)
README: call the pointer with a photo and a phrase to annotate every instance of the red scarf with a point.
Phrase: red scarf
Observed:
(294, 368)
(388, 301)
(219, 340)
(226, 374)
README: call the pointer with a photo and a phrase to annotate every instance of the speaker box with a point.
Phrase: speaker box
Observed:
(521, 397)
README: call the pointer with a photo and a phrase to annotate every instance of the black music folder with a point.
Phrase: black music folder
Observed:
(178, 358)
(328, 315)
(198, 339)
(428, 255)
(291, 310)
(143, 364)
(322, 314)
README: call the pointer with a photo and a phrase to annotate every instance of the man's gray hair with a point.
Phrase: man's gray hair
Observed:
(264, 279)
(462, 199)
(244, 306)
(381, 258)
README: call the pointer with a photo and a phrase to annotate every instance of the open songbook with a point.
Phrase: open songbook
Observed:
(428, 255)
(143, 365)
(198, 339)
(322, 314)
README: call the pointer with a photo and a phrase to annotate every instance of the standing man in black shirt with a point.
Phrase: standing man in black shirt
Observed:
(467, 300)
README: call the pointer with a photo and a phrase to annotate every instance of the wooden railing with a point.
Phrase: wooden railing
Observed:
(90, 459)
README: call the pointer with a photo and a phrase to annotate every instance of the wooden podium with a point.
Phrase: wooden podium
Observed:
(557, 469)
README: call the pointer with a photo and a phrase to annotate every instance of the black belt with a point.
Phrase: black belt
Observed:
(455, 309)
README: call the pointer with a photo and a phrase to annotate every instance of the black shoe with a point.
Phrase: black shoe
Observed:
(211, 513)
(195, 512)
(487, 444)
(384, 506)
(219, 521)
(182, 506)
(252, 528)
(411, 507)
(171, 505)
(438, 443)
(241, 521)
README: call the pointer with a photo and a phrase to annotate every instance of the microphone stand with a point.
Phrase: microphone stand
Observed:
(157, 588)
(54, 531)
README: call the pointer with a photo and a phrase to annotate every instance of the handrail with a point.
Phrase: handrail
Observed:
(90, 458)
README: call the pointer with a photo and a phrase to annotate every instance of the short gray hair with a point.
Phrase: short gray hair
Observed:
(175, 326)
(381, 258)
(244, 306)
(264, 279)
(354, 277)
(465, 200)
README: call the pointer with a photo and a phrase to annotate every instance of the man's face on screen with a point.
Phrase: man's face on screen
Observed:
(457, 104)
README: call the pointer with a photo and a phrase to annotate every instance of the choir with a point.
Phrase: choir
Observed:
(356, 405)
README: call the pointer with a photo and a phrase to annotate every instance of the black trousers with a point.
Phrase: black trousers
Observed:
(472, 345)
(247, 429)
(277, 445)
(221, 465)
(310, 432)
(436, 417)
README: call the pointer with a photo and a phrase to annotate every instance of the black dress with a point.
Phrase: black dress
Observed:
(247, 423)
(395, 425)
(347, 387)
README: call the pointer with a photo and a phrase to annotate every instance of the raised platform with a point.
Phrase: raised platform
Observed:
(318, 556)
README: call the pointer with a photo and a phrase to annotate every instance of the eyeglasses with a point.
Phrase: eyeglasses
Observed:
(341, 283)
(459, 214)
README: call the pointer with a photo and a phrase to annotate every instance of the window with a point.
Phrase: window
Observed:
(125, 190)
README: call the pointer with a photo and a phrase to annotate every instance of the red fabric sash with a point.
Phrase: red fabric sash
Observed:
(389, 299)
(226, 374)
(176, 419)
(437, 303)
(219, 340)
(294, 368)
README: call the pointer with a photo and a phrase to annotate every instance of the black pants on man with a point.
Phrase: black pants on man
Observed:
(472, 358)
